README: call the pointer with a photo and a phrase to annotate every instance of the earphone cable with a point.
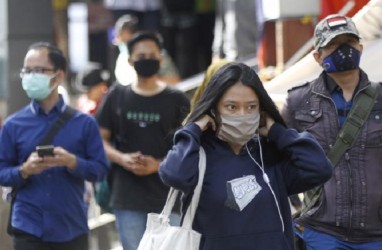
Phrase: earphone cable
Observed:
(266, 179)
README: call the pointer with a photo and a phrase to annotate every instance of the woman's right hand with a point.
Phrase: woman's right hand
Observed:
(205, 122)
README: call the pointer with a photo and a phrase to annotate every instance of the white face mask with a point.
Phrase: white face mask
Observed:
(122, 47)
(238, 129)
(37, 86)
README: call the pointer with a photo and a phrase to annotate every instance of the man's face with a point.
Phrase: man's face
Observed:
(145, 49)
(335, 43)
(37, 61)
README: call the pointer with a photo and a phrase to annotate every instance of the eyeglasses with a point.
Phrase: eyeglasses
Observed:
(37, 70)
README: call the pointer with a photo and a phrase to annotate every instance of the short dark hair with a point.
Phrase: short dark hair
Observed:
(94, 77)
(226, 77)
(55, 55)
(144, 35)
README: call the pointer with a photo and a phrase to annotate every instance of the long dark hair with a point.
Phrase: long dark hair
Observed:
(224, 78)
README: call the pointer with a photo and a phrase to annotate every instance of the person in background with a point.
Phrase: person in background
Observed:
(125, 27)
(49, 211)
(100, 19)
(238, 29)
(181, 34)
(188, 30)
(211, 70)
(147, 12)
(95, 83)
(137, 122)
(253, 162)
(347, 214)
(205, 12)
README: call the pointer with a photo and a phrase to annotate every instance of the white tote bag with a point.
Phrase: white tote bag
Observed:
(159, 235)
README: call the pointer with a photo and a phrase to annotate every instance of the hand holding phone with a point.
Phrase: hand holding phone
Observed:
(45, 150)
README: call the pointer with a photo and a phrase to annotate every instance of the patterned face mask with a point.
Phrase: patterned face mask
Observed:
(344, 58)
(238, 129)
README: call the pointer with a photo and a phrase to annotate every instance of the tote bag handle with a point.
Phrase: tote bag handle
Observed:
(173, 193)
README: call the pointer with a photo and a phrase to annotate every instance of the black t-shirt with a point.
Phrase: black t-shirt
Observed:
(145, 124)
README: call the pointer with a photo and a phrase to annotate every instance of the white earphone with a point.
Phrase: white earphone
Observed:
(266, 178)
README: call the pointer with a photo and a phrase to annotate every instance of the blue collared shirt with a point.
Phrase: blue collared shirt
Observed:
(51, 205)
(343, 107)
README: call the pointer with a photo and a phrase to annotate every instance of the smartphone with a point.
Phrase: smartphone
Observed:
(45, 150)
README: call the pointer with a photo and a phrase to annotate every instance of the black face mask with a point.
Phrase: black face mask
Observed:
(344, 58)
(146, 67)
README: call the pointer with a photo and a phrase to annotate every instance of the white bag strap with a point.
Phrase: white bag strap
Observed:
(191, 210)
(173, 193)
(171, 198)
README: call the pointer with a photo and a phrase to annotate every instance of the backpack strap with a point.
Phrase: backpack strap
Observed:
(57, 125)
(354, 122)
(357, 117)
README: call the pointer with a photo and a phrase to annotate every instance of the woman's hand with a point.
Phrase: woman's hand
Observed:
(205, 122)
(266, 124)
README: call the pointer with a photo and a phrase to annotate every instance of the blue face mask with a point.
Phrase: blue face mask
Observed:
(344, 58)
(37, 86)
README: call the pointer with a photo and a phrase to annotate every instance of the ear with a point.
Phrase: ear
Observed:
(59, 78)
(130, 62)
(317, 57)
(215, 115)
(361, 47)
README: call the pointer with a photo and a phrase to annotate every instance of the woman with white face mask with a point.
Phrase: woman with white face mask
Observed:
(253, 163)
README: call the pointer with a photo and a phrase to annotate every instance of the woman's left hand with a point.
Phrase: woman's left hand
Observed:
(266, 124)
(205, 122)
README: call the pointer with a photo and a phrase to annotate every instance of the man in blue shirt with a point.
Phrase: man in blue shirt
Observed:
(49, 211)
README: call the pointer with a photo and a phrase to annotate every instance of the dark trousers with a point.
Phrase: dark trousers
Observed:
(25, 241)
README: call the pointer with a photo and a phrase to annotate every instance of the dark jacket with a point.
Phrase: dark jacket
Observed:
(293, 162)
(350, 207)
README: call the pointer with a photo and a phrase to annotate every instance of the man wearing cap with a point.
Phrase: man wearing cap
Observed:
(348, 213)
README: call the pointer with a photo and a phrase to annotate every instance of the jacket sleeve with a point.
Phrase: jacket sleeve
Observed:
(179, 169)
(305, 165)
(287, 112)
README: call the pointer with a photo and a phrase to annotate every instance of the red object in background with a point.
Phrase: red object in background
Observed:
(331, 7)
(295, 33)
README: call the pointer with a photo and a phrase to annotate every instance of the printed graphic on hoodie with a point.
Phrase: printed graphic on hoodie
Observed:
(241, 191)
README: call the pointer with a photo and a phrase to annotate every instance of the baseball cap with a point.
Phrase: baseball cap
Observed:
(331, 27)
(94, 77)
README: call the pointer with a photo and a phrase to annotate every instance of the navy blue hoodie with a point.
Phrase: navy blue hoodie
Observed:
(294, 162)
